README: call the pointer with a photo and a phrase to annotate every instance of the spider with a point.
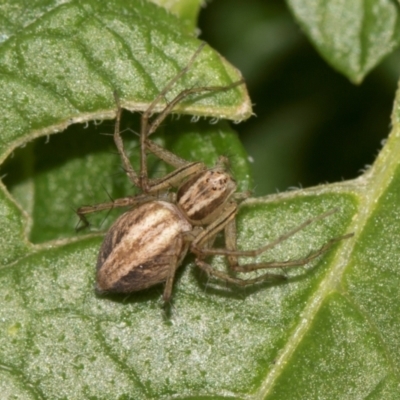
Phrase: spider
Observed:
(147, 244)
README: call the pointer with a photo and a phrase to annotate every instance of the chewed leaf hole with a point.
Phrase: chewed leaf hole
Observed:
(52, 176)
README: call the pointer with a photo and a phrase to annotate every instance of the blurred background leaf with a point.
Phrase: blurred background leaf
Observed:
(313, 125)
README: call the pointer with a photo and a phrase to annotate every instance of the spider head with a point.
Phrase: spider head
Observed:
(204, 195)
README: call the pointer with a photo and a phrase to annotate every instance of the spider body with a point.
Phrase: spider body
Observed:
(146, 245)
(202, 197)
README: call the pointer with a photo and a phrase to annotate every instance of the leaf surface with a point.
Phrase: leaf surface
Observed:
(328, 331)
(65, 65)
(352, 36)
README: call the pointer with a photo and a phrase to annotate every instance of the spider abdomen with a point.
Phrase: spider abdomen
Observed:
(142, 248)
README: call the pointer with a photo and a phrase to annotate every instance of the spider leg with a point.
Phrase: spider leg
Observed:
(184, 168)
(170, 281)
(280, 239)
(236, 281)
(149, 127)
(146, 129)
(199, 244)
(132, 175)
(290, 263)
(122, 202)
(174, 264)
(228, 223)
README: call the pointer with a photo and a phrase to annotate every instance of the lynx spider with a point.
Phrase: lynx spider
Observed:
(147, 244)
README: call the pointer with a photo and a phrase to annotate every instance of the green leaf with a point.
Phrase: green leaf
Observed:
(186, 10)
(65, 65)
(329, 331)
(353, 36)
